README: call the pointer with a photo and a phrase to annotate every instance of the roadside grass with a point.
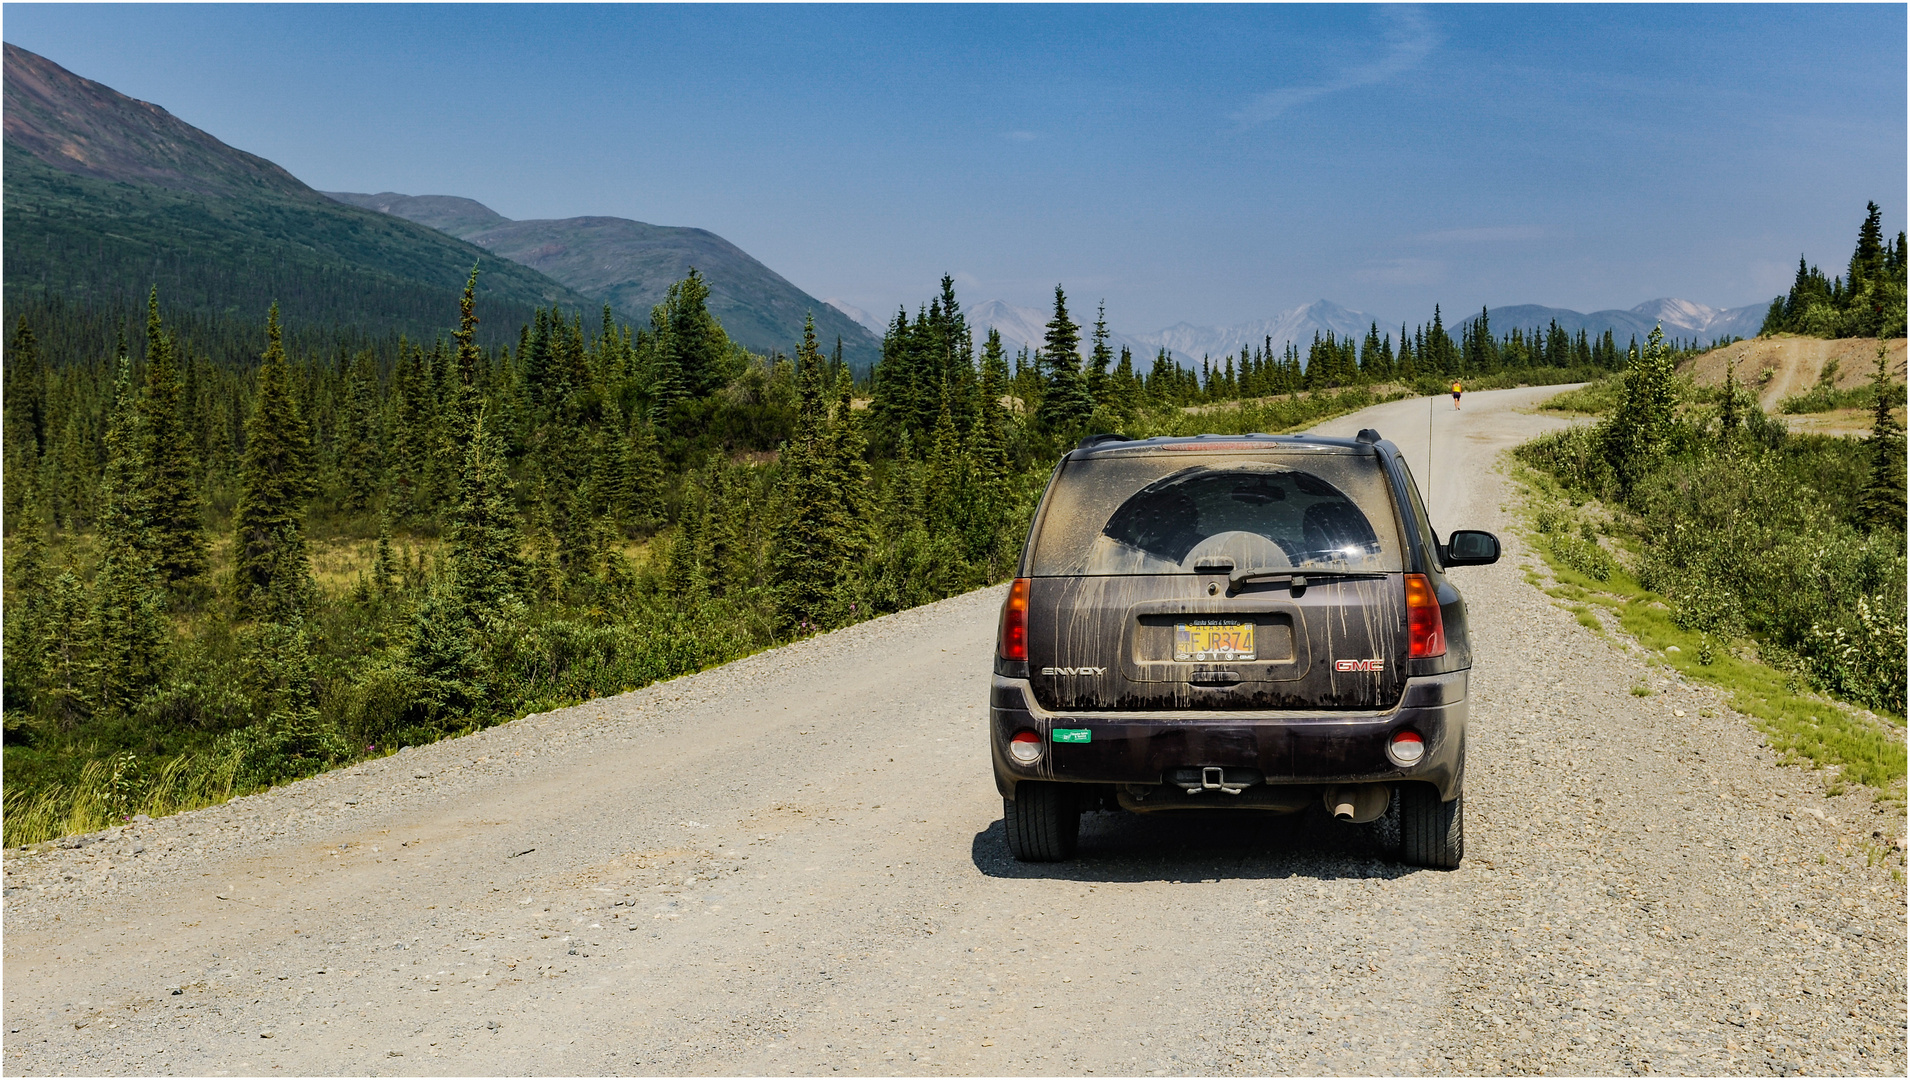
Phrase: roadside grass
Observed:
(1512, 378)
(1855, 746)
(109, 791)
(1592, 399)
(1273, 415)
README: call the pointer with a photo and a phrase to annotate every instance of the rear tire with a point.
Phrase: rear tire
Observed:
(1043, 821)
(1431, 833)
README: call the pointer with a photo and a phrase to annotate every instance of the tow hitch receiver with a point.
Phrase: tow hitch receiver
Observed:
(1214, 778)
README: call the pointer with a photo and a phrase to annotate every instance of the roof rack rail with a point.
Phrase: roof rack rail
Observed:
(1096, 440)
(1368, 435)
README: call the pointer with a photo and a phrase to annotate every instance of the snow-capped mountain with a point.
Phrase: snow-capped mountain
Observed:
(1027, 327)
(1680, 318)
(1298, 325)
(869, 322)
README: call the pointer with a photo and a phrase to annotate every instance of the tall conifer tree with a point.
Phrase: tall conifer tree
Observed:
(1881, 505)
(1065, 402)
(168, 471)
(272, 577)
(127, 633)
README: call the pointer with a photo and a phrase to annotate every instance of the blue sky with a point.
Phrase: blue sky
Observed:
(1206, 164)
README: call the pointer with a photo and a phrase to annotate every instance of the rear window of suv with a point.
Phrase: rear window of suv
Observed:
(1161, 511)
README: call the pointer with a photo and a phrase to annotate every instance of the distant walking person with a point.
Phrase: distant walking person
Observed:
(1455, 393)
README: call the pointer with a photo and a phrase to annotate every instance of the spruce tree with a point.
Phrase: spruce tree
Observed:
(1065, 402)
(291, 739)
(413, 421)
(169, 473)
(849, 472)
(806, 571)
(484, 539)
(126, 634)
(1881, 504)
(272, 576)
(65, 694)
(646, 476)
(384, 568)
(1099, 360)
(989, 449)
(683, 576)
(358, 456)
(700, 350)
(448, 671)
(24, 662)
(612, 479)
(720, 548)
(26, 420)
(1729, 419)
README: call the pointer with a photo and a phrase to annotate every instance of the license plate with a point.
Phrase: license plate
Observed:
(1204, 640)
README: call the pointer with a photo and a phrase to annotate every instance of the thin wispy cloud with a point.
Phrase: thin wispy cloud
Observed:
(1487, 234)
(1409, 39)
(1406, 271)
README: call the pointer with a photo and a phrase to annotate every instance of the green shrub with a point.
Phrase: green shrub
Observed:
(1594, 398)
(1583, 555)
(1825, 398)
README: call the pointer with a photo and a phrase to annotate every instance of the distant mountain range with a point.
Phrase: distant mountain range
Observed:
(106, 196)
(630, 265)
(1680, 318)
(1188, 343)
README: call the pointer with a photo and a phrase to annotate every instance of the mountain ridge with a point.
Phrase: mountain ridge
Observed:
(1680, 318)
(630, 265)
(107, 196)
(1188, 342)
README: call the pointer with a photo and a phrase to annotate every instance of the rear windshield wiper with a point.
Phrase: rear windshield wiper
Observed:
(1298, 580)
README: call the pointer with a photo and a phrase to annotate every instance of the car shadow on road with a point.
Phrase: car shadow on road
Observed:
(1202, 846)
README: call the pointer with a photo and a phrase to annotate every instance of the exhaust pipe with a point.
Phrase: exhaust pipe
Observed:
(1357, 803)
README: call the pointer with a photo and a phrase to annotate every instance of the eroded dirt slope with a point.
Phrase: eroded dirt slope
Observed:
(1795, 364)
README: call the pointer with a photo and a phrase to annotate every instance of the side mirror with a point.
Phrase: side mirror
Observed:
(1470, 547)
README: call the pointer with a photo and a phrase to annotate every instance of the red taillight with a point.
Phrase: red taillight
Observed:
(1426, 626)
(1014, 622)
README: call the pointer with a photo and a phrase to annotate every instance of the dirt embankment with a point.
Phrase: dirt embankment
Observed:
(1794, 364)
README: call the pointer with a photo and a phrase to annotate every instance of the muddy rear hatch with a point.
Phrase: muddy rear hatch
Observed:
(1223, 576)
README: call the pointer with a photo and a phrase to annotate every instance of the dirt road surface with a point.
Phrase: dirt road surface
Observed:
(795, 864)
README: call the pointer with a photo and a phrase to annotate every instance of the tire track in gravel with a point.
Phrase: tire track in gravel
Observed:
(794, 864)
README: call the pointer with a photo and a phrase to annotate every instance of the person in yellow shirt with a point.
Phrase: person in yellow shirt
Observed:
(1455, 393)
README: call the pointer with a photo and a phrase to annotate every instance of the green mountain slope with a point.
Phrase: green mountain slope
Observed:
(630, 264)
(106, 196)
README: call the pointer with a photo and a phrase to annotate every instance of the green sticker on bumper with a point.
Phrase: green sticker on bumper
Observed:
(1074, 734)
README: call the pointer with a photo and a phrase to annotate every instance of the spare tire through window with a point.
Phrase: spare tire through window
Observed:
(1253, 514)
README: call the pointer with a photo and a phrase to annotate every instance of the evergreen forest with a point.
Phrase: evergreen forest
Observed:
(1867, 301)
(236, 556)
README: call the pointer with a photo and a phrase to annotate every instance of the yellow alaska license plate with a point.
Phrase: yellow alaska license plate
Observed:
(1213, 640)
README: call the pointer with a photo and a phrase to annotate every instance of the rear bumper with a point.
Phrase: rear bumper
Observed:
(1286, 748)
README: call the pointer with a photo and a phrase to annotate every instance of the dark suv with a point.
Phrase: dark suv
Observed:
(1234, 621)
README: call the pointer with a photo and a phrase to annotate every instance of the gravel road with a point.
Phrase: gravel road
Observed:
(795, 864)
